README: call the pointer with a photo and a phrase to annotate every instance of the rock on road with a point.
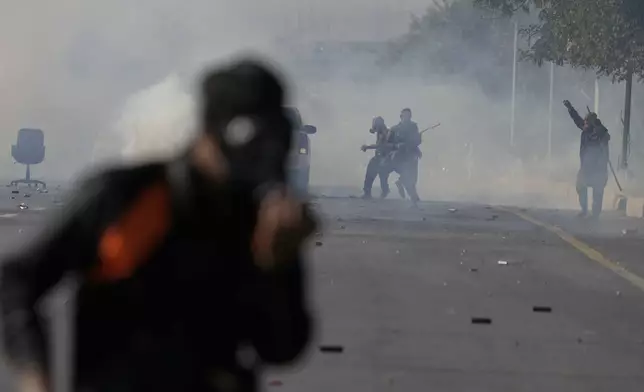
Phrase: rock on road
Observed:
(396, 291)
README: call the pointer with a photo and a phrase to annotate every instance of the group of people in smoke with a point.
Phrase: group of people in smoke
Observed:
(397, 150)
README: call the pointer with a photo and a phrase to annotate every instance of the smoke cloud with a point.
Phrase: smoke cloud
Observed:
(114, 80)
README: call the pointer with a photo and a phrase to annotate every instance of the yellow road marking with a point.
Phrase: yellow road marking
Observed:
(584, 248)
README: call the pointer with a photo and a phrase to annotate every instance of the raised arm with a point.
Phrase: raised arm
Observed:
(279, 326)
(579, 122)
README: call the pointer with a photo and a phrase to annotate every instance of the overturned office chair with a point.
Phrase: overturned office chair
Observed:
(29, 150)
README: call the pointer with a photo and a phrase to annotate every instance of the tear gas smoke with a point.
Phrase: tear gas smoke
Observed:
(114, 80)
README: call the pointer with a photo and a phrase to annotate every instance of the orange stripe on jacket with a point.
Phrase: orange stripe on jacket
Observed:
(128, 243)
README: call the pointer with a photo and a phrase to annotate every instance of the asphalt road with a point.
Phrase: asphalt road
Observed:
(397, 291)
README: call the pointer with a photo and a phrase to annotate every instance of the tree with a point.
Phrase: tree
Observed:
(604, 35)
(455, 38)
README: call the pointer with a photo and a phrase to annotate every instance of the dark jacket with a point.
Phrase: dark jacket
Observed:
(408, 139)
(593, 150)
(177, 322)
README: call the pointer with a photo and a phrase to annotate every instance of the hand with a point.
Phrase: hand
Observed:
(282, 227)
(364, 148)
(567, 104)
(32, 381)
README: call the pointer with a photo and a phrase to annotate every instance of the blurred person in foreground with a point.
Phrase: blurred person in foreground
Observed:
(182, 265)
(407, 138)
(594, 155)
(380, 165)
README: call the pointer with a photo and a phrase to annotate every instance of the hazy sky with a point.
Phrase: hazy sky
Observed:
(113, 77)
(67, 66)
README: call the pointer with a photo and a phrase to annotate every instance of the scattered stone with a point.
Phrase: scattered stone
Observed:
(629, 231)
(27, 195)
(331, 349)
(618, 293)
(492, 218)
(452, 210)
(424, 218)
(397, 252)
(343, 227)
(580, 340)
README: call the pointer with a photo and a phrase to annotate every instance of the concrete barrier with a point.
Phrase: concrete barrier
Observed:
(635, 207)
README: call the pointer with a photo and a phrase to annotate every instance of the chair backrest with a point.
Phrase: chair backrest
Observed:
(30, 148)
(30, 138)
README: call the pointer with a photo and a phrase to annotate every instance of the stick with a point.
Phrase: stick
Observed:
(615, 176)
(432, 127)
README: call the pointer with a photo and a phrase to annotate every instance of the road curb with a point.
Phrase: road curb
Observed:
(630, 206)
(634, 207)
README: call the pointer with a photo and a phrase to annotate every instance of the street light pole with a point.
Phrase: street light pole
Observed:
(627, 120)
(597, 95)
(514, 81)
(552, 89)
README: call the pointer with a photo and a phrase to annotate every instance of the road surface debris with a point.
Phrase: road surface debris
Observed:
(331, 349)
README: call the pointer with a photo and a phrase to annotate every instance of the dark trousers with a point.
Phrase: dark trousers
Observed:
(598, 198)
(596, 180)
(409, 178)
(375, 168)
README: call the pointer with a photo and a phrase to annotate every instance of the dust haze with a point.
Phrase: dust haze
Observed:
(114, 81)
